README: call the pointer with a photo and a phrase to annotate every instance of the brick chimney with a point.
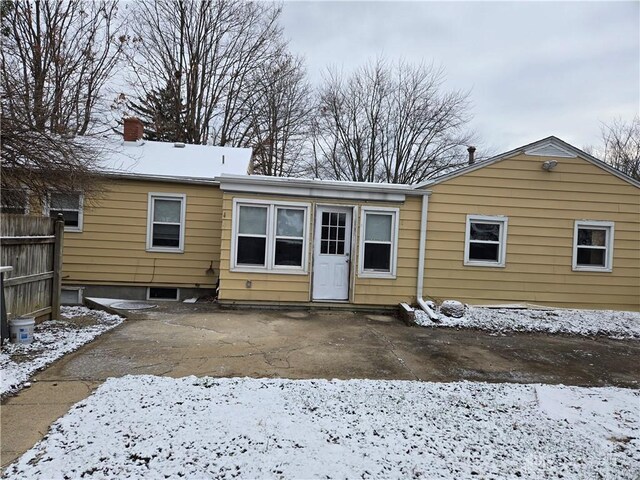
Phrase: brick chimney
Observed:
(133, 129)
(472, 151)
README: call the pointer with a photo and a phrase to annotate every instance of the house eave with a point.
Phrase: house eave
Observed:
(318, 188)
(161, 178)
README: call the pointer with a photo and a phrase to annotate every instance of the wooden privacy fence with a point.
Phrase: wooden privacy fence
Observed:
(33, 247)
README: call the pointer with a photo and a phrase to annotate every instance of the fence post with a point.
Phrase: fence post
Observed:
(56, 288)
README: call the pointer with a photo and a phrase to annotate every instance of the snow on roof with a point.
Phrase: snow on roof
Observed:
(163, 159)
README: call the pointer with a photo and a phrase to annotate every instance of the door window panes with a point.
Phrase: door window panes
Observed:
(333, 233)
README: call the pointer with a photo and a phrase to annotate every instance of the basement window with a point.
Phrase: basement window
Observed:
(485, 241)
(593, 246)
(163, 293)
(70, 206)
(165, 222)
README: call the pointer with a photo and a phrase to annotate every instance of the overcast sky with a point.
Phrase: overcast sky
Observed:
(534, 69)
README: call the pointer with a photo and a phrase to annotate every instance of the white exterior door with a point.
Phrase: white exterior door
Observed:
(332, 253)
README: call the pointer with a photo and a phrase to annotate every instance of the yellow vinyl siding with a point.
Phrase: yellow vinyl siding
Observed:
(392, 291)
(542, 208)
(111, 249)
(265, 286)
(296, 288)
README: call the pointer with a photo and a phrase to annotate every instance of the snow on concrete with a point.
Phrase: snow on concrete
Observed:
(610, 323)
(52, 339)
(155, 427)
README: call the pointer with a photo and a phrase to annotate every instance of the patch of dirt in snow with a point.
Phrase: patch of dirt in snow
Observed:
(609, 323)
(52, 339)
(156, 427)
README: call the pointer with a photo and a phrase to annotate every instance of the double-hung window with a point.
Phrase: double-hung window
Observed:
(14, 201)
(485, 241)
(289, 237)
(166, 222)
(251, 238)
(70, 206)
(378, 242)
(593, 246)
(270, 236)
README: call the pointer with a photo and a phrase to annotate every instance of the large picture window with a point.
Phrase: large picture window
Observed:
(485, 241)
(378, 242)
(70, 206)
(593, 246)
(165, 223)
(270, 236)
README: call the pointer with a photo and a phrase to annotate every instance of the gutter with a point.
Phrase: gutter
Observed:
(421, 259)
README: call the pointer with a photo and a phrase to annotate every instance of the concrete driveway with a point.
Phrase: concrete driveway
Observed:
(178, 340)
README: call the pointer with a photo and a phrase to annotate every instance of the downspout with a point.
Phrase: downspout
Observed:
(421, 258)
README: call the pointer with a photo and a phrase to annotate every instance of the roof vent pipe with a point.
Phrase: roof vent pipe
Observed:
(472, 151)
(178, 145)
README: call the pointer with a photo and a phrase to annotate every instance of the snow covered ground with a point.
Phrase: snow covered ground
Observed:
(51, 340)
(608, 323)
(156, 427)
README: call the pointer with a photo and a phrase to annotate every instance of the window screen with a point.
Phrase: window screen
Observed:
(592, 247)
(68, 204)
(167, 222)
(484, 241)
(289, 237)
(251, 244)
(378, 233)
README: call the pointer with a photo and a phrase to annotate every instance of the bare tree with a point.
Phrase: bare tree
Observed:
(206, 51)
(56, 58)
(389, 123)
(621, 145)
(278, 125)
(38, 162)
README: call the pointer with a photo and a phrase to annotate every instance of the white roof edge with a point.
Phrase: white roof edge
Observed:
(161, 178)
(318, 184)
(511, 153)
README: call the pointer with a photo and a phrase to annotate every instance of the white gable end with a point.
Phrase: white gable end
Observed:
(550, 150)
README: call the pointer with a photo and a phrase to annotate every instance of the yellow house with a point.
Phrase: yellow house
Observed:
(154, 233)
(544, 224)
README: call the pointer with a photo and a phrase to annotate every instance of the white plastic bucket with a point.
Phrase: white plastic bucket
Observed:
(21, 329)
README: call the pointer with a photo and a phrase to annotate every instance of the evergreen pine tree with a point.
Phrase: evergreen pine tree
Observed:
(161, 113)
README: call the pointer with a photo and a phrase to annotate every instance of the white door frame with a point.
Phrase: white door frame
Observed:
(351, 246)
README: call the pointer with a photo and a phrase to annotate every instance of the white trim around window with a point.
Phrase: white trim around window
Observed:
(267, 233)
(499, 241)
(154, 245)
(79, 210)
(386, 240)
(592, 246)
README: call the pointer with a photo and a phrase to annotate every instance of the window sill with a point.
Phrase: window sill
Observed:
(266, 270)
(165, 250)
(72, 230)
(592, 269)
(386, 276)
(484, 264)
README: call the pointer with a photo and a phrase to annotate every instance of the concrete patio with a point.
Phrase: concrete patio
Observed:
(178, 340)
